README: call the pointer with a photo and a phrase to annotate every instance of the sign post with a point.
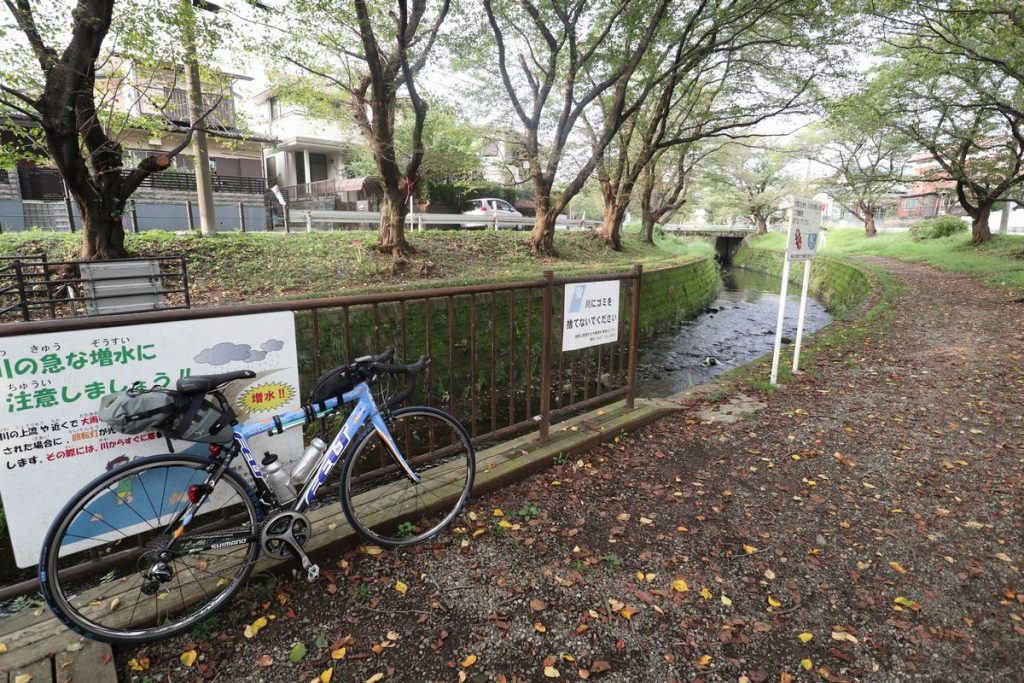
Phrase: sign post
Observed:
(801, 245)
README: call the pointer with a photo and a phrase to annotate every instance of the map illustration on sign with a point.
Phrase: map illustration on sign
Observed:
(804, 224)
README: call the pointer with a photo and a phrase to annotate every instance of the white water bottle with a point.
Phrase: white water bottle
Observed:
(277, 479)
(304, 465)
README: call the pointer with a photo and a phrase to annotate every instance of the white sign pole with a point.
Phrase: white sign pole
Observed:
(781, 319)
(800, 318)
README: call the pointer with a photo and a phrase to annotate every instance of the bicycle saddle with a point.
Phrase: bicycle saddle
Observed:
(206, 383)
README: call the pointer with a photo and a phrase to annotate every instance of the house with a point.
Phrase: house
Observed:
(308, 160)
(153, 101)
(930, 192)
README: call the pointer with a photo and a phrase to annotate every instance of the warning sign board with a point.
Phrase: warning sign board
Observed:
(590, 315)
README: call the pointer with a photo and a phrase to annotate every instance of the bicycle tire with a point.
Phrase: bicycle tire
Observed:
(113, 606)
(379, 501)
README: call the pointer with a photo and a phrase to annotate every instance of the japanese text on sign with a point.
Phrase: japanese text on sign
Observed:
(590, 315)
(804, 223)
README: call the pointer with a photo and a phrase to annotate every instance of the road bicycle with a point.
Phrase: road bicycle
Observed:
(155, 546)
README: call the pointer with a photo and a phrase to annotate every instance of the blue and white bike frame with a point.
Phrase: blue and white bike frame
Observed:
(365, 411)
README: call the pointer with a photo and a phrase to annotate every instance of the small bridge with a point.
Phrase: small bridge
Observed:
(727, 237)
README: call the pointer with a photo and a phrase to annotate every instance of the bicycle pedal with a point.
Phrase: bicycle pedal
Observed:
(312, 573)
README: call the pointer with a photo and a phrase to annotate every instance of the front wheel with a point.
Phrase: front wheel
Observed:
(382, 504)
(121, 565)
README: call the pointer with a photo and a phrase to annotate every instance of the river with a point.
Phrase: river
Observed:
(737, 327)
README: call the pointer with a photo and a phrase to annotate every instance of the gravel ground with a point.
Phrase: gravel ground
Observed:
(866, 525)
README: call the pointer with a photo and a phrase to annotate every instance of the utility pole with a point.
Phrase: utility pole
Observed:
(204, 184)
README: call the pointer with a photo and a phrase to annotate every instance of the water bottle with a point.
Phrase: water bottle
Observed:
(278, 479)
(304, 465)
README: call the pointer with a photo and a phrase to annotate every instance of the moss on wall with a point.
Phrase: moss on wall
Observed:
(840, 285)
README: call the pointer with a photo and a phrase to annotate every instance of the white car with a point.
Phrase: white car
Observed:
(490, 207)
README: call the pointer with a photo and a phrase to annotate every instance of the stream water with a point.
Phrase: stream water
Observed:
(737, 327)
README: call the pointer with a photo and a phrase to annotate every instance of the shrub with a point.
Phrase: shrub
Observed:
(935, 228)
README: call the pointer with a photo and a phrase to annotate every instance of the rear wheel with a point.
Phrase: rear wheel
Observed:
(380, 501)
(111, 568)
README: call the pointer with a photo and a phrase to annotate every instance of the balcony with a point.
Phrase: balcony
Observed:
(46, 185)
(366, 187)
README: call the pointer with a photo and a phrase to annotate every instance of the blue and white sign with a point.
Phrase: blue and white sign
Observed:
(591, 314)
(804, 224)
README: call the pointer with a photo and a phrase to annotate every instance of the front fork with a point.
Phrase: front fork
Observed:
(385, 435)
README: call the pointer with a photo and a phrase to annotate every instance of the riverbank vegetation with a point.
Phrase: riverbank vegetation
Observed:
(998, 262)
(248, 267)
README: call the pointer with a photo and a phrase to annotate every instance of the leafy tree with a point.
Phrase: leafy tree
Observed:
(953, 82)
(749, 181)
(703, 89)
(555, 58)
(866, 157)
(360, 55)
(55, 55)
(666, 182)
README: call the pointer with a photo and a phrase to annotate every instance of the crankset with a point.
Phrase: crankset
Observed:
(284, 534)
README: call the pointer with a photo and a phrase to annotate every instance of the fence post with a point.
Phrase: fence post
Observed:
(70, 213)
(634, 335)
(241, 216)
(134, 215)
(19, 279)
(545, 357)
(188, 212)
(309, 221)
(421, 223)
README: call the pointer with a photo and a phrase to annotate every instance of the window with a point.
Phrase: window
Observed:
(300, 167)
(317, 167)
(909, 204)
(275, 108)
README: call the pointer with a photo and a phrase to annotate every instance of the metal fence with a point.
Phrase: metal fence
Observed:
(498, 363)
(311, 220)
(35, 288)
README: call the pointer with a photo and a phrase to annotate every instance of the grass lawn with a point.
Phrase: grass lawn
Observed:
(245, 267)
(998, 263)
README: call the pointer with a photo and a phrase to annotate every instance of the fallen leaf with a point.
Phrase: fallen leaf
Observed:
(726, 600)
(3, 647)
(807, 664)
(806, 637)
(538, 605)
(1004, 557)
(615, 604)
(897, 567)
(401, 587)
(264, 660)
(373, 550)
(773, 602)
(72, 647)
(844, 636)
(704, 660)
(375, 677)
(498, 512)
(338, 653)
(22, 678)
(298, 653)
(679, 585)
(551, 672)
(188, 658)
(785, 677)
(769, 574)
(705, 593)
(749, 549)
(539, 627)
(326, 674)
(599, 666)
(627, 612)
(469, 661)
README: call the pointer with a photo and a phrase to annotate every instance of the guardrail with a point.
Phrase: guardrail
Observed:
(421, 221)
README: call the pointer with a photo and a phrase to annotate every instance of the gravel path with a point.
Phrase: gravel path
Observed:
(865, 525)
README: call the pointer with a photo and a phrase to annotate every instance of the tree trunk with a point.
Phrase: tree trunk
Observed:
(102, 230)
(542, 238)
(980, 232)
(611, 230)
(391, 236)
(869, 223)
(762, 225)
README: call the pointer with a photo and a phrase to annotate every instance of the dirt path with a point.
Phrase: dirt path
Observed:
(866, 525)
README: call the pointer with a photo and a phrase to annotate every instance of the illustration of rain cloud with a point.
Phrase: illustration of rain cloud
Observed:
(226, 352)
